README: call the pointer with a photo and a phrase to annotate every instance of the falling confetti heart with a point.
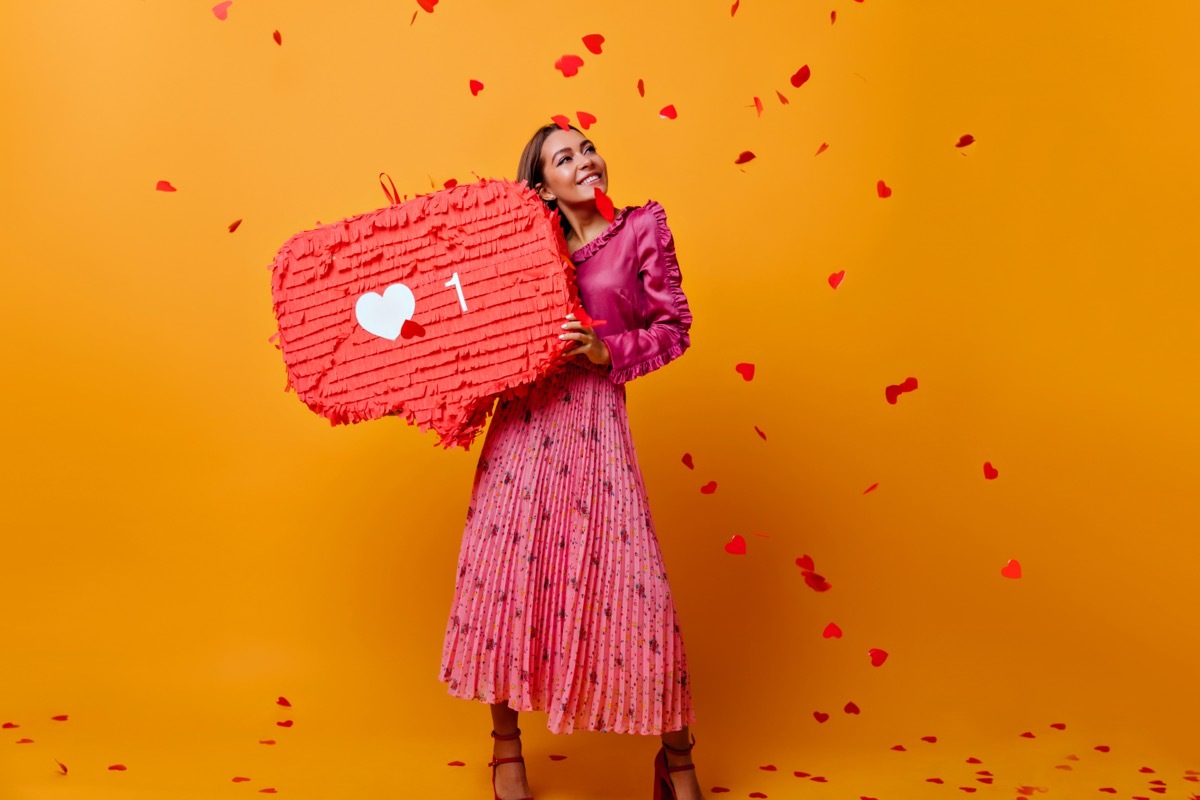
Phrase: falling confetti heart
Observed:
(744, 156)
(118, 767)
(165, 186)
(668, 112)
(835, 280)
(592, 42)
(882, 189)
(736, 545)
(604, 205)
(476, 87)
(851, 708)
(745, 370)
(1012, 569)
(801, 76)
(708, 488)
(989, 471)
(820, 716)
(586, 120)
(569, 65)
(221, 10)
(832, 631)
(687, 461)
(877, 656)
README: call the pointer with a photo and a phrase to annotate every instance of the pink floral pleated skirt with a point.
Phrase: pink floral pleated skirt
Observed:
(561, 601)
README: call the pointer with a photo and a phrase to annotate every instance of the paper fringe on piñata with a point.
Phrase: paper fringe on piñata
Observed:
(428, 309)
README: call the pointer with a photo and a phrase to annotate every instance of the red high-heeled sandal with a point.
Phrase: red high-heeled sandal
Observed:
(662, 772)
(496, 761)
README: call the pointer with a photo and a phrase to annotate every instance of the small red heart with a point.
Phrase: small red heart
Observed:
(718, 789)
(24, 741)
(1103, 748)
(239, 779)
(757, 794)
(266, 741)
(871, 488)
(760, 433)
(557, 758)
(989, 471)
(819, 779)
(233, 226)
(668, 112)
(785, 101)
(832, 631)
(476, 87)
(878, 657)
(283, 701)
(1145, 769)
(769, 768)
(746, 370)
(744, 157)
(736, 546)
(427, 4)
(411, 328)
(455, 764)
(1012, 569)
(221, 10)
(934, 780)
(805, 562)
(642, 92)
(585, 121)
(569, 65)
(758, 106)
(61, 766)
(1072, 758)
(974, 760)
(883, 189)
(851, 708)
(604, 205)
(117, 767)
(278, 39)
(10, 725)
(899, 747)
(268, 790)
(708, 488)
(1062, 726)
(60, 718)
(562, 121)
(802, 75)
(835, 280)
(820, 716)
(287, 723)
(816, 582)
(592, 42)
(1028, 735)
(687, 461)
(1067, 767)
(964, 140)
(930, 739)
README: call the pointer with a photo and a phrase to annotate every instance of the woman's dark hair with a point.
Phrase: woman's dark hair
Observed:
(530, 167)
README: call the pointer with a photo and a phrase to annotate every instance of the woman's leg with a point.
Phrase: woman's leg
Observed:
(510, 776)
(687, 786)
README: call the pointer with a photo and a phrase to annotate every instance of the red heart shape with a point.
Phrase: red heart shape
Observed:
(557, 758)
(668, 112)
(802, 75)
(348, 316)
(851, 708)
(283, 701)
(989, 471)
(737, 545)
(427, 4)
(746, 370)
(687, 461)
(930, 739)
(805, 562)
(835, 280)
(1103, 748)
(221, 10)
(1012, 569)
(476, 87)
(899, 747)
(569, 65)
(592, 42)
(240, 779)
(1062, 726)
(816, 582)
(832, 631)
(768, 768)
(708, 488)
(586, 120)
(877, 656)
(820, 716)
(118, 767)
(883, 189)
(604, 205)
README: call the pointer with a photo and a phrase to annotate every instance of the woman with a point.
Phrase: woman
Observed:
(561, 602)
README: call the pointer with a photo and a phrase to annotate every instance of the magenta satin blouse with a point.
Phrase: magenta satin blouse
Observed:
(628, 276)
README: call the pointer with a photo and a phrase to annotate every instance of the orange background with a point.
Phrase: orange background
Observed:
(184, 542)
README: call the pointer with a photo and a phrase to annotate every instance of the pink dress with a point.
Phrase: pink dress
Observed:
(561, 601)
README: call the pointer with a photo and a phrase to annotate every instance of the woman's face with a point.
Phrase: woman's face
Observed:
(568, 160)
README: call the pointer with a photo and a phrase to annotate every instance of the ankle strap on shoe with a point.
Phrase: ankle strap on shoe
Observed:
(684, 751)
(496, 761)
(506, 736)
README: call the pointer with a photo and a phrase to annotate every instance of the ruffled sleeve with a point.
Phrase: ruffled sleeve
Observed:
(668, 319)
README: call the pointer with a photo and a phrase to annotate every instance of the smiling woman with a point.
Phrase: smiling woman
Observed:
(562, 602)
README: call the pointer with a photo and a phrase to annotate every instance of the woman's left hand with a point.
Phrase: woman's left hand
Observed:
(591, 345)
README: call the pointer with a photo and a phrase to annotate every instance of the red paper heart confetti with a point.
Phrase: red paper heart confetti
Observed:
(266, 741)
(687, 461)
(604, 205)
(769, 768)
(582, 316)
(816, 582)
(895, 390)
(819, 779)
(561, 121)
(569, 65)
(708, 488)
(641, 87)
(718, 789)
(278, 39)
(762, 435)
(743, 157)
(1108, 789)
(851, 708)
(820, 716)
(287, 723)
(734, 7)
(1067, 767)
(592, 42)
(1145, 770)
(964, 140)
(1062, 726)
(427, 4)
(1012, 569)
(805, 562)
(668, 112)
(1072, 758)
(221, 10)
(1103, 748)
(746, 370)
(736, 546)
(758, 106)
(164, 186)
(871, 488)
(557, 758)
(455, 764)
(233, 226)
(930, 739)
(586, 120)
(1028, 735)
(934, 780)
(24, 741)
(989, 471)
(240, 779)
(899, 747)
(117, 767)
(61, 766)
(832, 631)
(268, 790)
(756, 794)
(60, 718)
(974, 760)
(782, 99)
(10, 725)
(835, 280)
(476, 87)
(802, 75)
(824, 146)
(878, 657)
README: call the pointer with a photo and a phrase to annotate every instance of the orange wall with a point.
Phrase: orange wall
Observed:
(184, 542)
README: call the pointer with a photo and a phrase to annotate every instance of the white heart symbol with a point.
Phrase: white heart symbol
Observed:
(384, 315)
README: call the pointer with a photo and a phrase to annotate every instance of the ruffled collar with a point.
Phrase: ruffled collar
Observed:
(592, 247)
